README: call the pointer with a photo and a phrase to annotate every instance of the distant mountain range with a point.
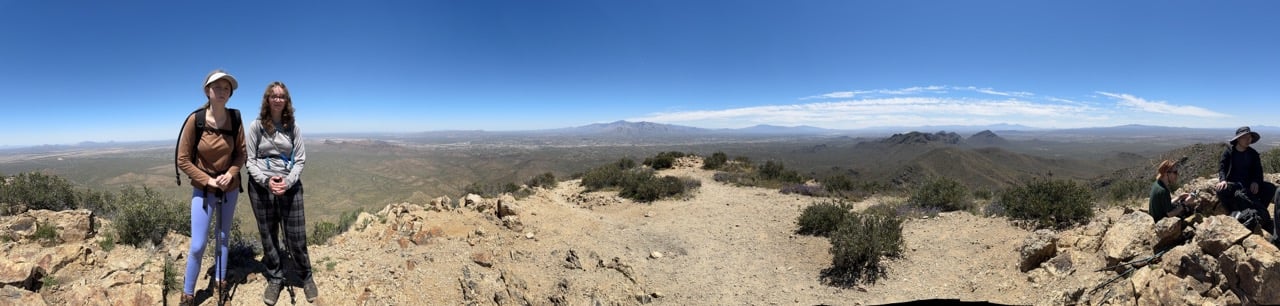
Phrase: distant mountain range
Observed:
(638, 131)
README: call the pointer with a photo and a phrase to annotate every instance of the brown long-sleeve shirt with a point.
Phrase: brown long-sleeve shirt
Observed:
(213, 154)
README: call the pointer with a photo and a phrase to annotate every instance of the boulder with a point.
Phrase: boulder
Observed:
(1131, 236)
(19, 226)
(363, 220)
(507, 206)
(1252, 268)
(20, 274)
(513, 223)
(1168, 231)
(10, 295)
(1037, 248)
(1188, 261)
(1217, 233)
(442, 203)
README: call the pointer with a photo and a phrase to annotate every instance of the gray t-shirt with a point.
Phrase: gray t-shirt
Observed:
(278, 154)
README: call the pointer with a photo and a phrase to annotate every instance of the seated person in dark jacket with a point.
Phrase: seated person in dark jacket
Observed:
(1161, 204)
(1240, 185)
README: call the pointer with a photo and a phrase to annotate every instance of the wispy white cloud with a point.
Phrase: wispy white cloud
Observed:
(1160, 107)
(945, 105)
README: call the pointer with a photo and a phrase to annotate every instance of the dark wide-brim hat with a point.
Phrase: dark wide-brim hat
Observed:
(1245, 130)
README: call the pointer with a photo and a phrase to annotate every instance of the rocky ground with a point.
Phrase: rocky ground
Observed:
(725, 245)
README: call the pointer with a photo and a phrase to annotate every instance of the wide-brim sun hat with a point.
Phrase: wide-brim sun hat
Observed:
(219, 75)
(1245, 130)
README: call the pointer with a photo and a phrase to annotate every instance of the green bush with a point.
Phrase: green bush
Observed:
(490, 190)
(776, 171)
(858, 245)
(46, 232)
(545, 180)
(144, 215)
(648, 188)
(715, 161)
(170, 276)
(108, 242)
(942, 193)
(1049, 203)
(35, 190)
(664, 160)
(608, 176)
(821, 219)
(322, 231)
(1270, 161)
(837, 183)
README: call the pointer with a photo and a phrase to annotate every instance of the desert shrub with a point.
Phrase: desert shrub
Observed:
(1049, 203)
(145, 216)
(650, 188)
(1271, 160)
(857, 246)
(490, 190)
(837, 183)
(664, 160)
(545, 180)
(35, 190)
(102, 203)
(46, 232)
(108, 242)
(715, 161)
(942, 193)
(1126, 189)
(821, 219)
(170, 276)
(777, 172)
(804, 189)
(241, 248)
(611, 175)
(322, 231)
(736, 178)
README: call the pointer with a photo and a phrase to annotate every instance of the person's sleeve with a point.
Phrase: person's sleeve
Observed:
(299, 157)
(1224, 164)
(190, 137)
(1255, 174)
(256, 165)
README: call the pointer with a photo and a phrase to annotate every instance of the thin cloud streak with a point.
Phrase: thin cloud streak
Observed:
(1160, 107)
(944, 105)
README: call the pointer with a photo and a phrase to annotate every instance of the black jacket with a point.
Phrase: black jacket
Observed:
(1248, 172)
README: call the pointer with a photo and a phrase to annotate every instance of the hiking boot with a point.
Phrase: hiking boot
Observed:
(309, 288)
(187, 300)
(272, 293)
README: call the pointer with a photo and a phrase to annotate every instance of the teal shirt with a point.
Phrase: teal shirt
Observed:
(1161, 202)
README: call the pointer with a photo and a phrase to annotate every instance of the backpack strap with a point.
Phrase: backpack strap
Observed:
(199, 116)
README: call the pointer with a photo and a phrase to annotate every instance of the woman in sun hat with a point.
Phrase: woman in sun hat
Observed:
(1240, 184)
(211, 152)
(277, 155)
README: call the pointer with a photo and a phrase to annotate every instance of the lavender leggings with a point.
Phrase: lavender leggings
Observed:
(200, 214)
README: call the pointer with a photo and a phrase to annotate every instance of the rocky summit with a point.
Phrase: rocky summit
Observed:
(724, 245)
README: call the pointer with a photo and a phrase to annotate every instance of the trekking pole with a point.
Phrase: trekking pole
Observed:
(217, 245)
(278, 205)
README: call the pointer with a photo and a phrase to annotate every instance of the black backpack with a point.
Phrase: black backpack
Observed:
(234, 115)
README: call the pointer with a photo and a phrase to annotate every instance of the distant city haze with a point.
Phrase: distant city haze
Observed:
(122, 72)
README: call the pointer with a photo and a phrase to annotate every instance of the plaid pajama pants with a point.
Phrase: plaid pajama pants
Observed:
(272, 212)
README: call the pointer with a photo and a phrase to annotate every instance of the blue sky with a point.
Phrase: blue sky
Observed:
(130, 70)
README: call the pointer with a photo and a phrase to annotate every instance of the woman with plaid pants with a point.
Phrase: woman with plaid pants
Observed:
(276, 157)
